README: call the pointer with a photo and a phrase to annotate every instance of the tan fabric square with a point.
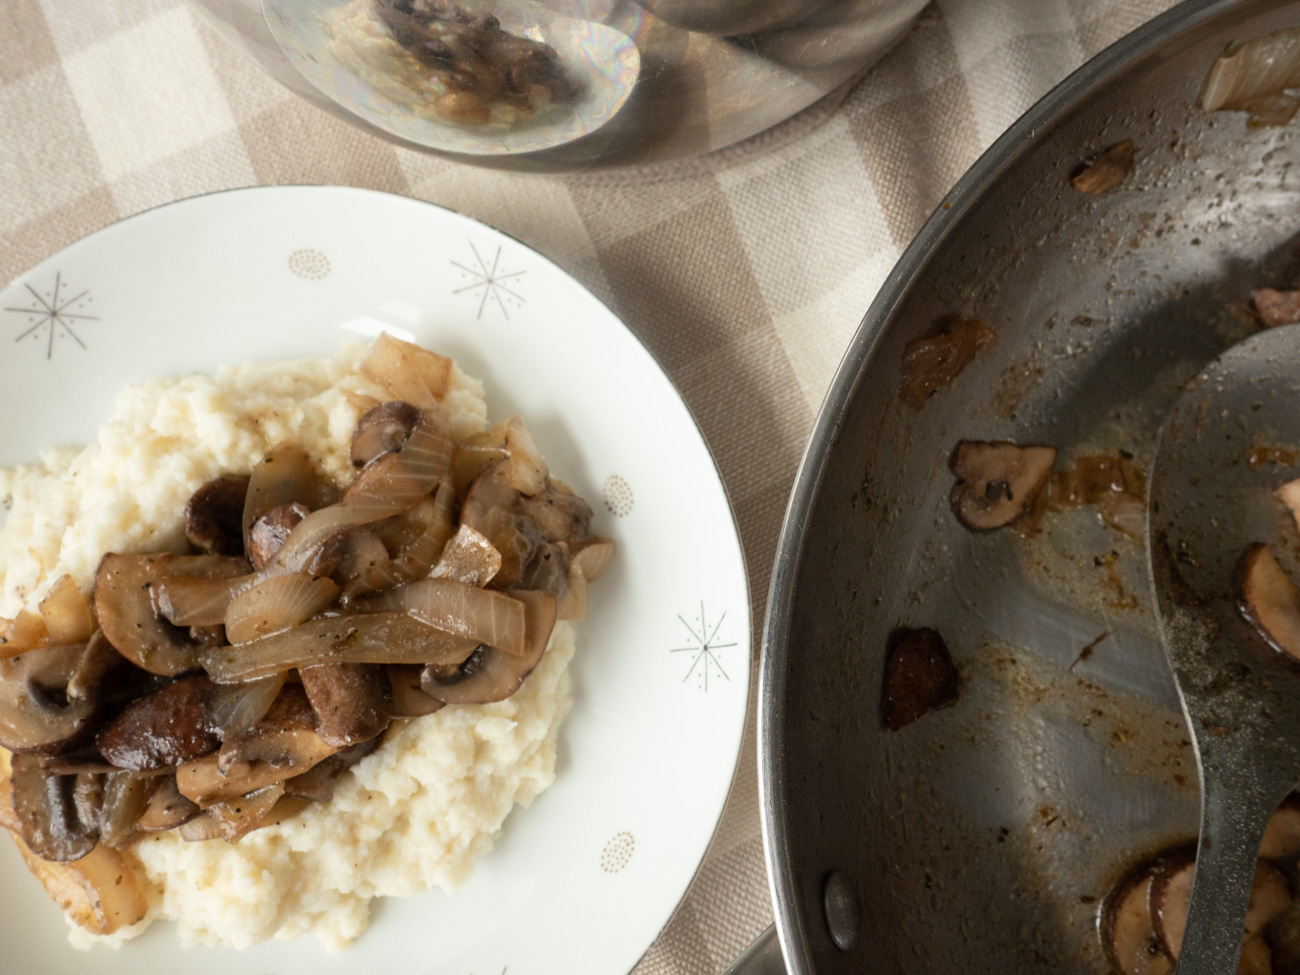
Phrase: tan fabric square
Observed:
(249, 90)
(25, 41)
(148, 92)
(298, 143)
(1100, 25)
(617, 205)
(215, 164)
(46, 156)
(27, 244)
(78, 25)
(680, 949)
(807, 216)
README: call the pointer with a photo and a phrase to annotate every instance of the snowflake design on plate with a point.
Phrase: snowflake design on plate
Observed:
(617, 852)
(617, 494)
(703, 648)
(487, 282)
(53, 313)
(309, 263)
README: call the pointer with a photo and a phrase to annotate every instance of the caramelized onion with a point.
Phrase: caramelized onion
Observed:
(276, 604)
(480, 615)
(195, 590)
(66, 613)
(377, 638)
(468, 557)
(594, 557)
(24, 632)
(285, 476)
(407, 371)
(1255, 77)
(238, 707)
(528, 472)
(491, 674)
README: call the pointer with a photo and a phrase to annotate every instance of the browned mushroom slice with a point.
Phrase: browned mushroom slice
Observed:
(201, 827)
(285, 738)
(214, 516)
(37, 714)
(372, 638)
(127, 797)
(236, 818)
(1171, 897)
(66, 613)
(1105, 171)
(352, 702)
(1270, 895)
(203, 783)
(166, 728)
(468, 557)
(491, 508)
(1269, 599)
(561, 516)
(490, 674)
(1129, 931)
(997, 481)
(318, 783)
(481, 615)
(409, 699)
(1282, 836)
(1289, 495)
(356, 560)
(284, 478)
(594, 557)
(276, 604)
(919, 677)
(1277, 308)
(381, 430)
(407, 371)
(269, 532)
(129, 617)
(166, 808)
(47, 812)
(930, 364)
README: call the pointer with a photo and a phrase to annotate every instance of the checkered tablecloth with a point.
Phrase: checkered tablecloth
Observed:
(745, 272)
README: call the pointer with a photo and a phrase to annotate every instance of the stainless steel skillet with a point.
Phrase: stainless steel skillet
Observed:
(984, 837)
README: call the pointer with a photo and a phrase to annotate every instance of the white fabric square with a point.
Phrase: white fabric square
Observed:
(147, 93)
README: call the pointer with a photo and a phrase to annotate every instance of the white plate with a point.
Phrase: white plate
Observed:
(584, 880)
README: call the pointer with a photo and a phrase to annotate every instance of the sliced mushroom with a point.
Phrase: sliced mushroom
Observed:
(50, 820)
(166, 808)
(352, 702)
(933, 363)
(1289, 495)
(409, 699)
(196, 591)
(1270, 895)
(997, 481)
(286, 476)
(415, 538)
(919, 677)
(1269, 599)
(1130, 932)
(1105, 171)
(201, 827)
(381, 430)
(285, 738)
(166, 728)
(355, 559)
(66, 613)
(372, 638)
(214, 516)
(1171, 897)
(203, 783)
(37, 713)
(318, 783)
(491, 508)
(127, 797)
(236, 818)
(270, 530)
(128, 616)
(1277, 308)
(489, 673)
(468, 557)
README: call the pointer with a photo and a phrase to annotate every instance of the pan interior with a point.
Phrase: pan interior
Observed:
(984, 837)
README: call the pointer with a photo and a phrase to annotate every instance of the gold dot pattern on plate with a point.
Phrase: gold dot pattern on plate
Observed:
(617, 852)
(310, 264)
(618, 495)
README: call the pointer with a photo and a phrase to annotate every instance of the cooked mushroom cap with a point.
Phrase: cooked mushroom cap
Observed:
(285, 738)
(127, 796)
(317, 783)
(919, 677)
(352, 702)
(1130, 932)
(489, 673)
(53, 824)
(37, 714)
(409, 699)
(930, 364)
(166, 808)
(1277, 307)
(1269, 599)
(997, 481)
(214, 516)
(382, 429)
(166, 728)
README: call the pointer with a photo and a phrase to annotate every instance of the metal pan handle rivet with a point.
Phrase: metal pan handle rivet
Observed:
(840, 906)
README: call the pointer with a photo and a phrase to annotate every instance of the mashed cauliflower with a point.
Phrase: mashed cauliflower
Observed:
(411, 816)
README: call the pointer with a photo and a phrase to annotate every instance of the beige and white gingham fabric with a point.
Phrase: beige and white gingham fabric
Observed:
(746, 273)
